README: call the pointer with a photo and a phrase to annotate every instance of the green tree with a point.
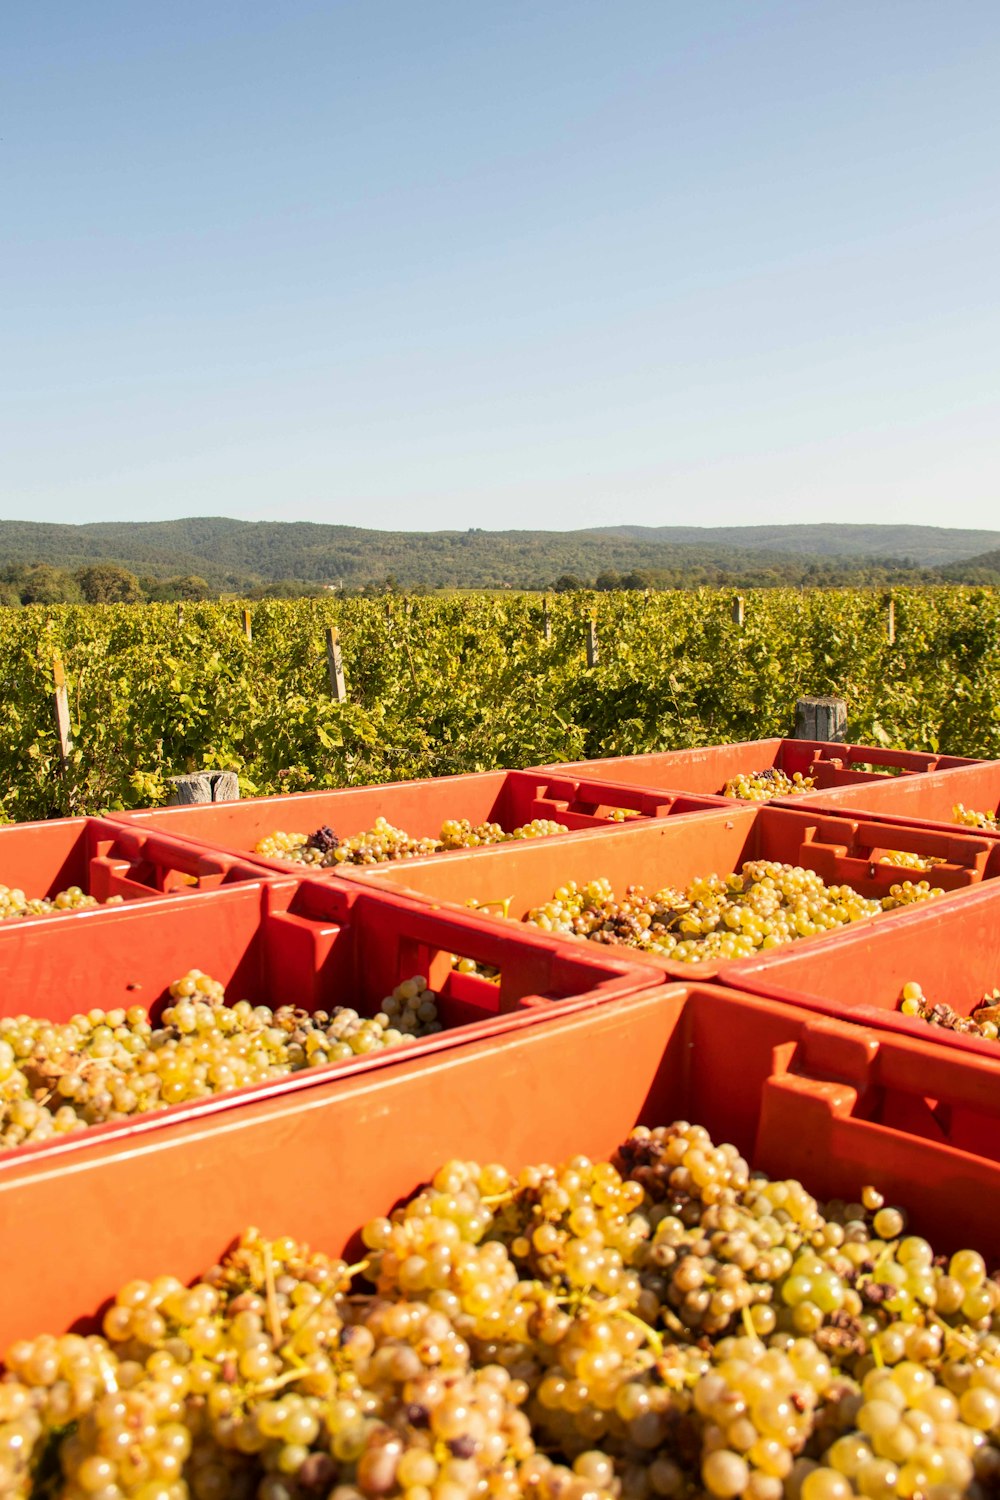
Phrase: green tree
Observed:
(42, 584)
(167, 590)
(105, 583)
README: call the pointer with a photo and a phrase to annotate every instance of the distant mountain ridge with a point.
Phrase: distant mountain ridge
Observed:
(231, 553)
(930, 546)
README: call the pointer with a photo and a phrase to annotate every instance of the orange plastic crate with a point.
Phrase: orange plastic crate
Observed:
(831, 1104)
(313, 944)
(927, 799)
(106, 859)
(951, 949)
(857, 776)
(673, 851)
(510, 798)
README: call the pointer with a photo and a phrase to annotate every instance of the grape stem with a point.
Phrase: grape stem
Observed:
(273, 1314)
(751, 1331)
(651, 1336)
(504, 905)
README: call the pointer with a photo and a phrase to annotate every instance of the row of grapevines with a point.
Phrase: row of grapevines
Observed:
(470, 683)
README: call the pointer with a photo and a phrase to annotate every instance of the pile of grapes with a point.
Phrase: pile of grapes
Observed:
(14, 903)
(670, 1324)
(971, 819)
(717, 916)
(984, 1020)
(909, 861)
(761, 786)
(109, 1065)
(384, 842)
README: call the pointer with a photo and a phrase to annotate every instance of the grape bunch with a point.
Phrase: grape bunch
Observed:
(971, 819)
(717, 917)
(109, 1065)
(15, 904)
(983, 1021)
(761, 786)
(669, 1323)
(383, 842)
(907, 860)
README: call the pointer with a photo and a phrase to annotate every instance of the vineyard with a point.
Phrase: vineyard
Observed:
(436, 686)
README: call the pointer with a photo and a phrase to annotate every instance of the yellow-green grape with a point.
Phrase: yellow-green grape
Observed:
(111, 1065)
(911, 998)
(911, 861)
(460, 833)
(383, 842)
(716, 917)
(761, 786)
(971, 819)
(910, 893)
(668, 1323)
(290, 846)
(539, 828)
(984, 1020)
(472, 966)
(15, 904)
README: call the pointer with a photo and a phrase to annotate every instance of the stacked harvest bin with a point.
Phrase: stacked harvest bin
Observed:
(549, 1046)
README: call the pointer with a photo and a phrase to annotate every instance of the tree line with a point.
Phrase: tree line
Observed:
(107, 583)
(110, 583)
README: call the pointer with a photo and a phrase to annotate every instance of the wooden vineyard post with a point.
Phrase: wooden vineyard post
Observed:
(821, 719)
(247, 625)
(180, 614)
(890, 624)
(388, 613)
(203, 786)
(60, 704)
(739, 610)
(546, 620)
(591, 642)
(335, 665)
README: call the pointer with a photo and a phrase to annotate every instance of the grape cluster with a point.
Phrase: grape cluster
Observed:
(384, 842)
(268, 1379)
(971, 819)
(910, 861)
(109, 1065)
(761, 786)
(667, 1324)
(984, 1020)
(14, 903)
(717, 917)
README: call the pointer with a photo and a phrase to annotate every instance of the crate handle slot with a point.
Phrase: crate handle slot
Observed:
(112, 877)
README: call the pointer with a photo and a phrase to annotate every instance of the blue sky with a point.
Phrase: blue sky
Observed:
(451, 263)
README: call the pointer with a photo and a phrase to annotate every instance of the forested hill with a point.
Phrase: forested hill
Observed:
(235, 554)
(983, 568)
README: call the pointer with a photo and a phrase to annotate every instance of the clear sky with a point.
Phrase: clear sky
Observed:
(452, 263)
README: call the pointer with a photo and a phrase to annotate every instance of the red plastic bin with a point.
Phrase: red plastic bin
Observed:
(856, 776)
(674, 851)
(314, 944)
(831, 1104)
(105, 858)
(951, 949)
(510, 798)
(928, 799)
